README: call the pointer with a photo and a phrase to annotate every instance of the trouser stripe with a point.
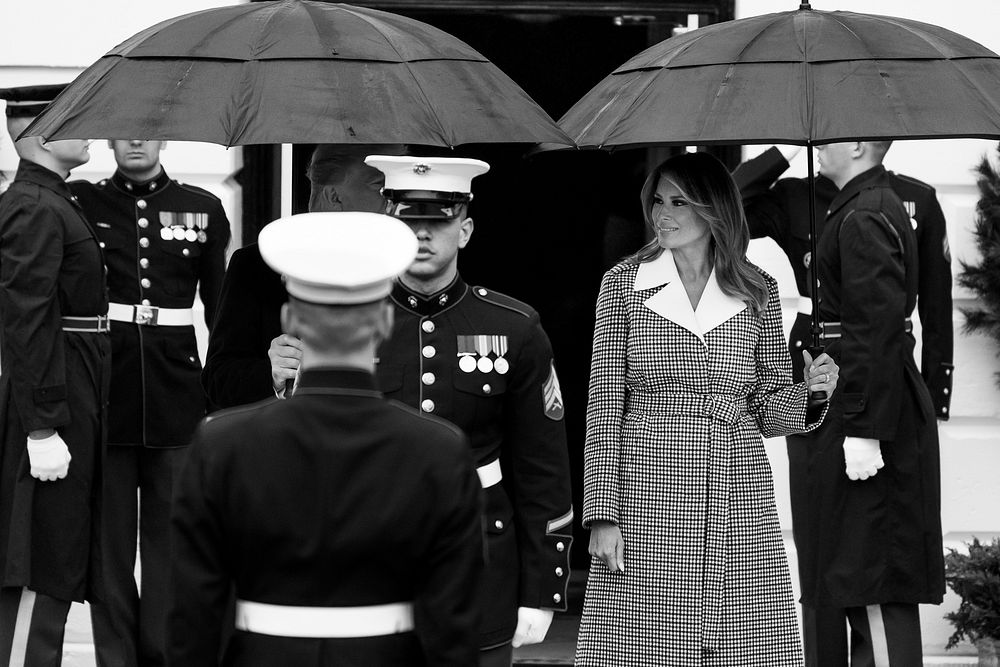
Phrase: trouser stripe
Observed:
(879, 640)
(22, 629)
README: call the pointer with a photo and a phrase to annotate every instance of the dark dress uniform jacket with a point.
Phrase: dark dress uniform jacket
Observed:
(237, 369)
(779, 209)
(879, 540)
(50, 267)
(157, 398)
(335, 497)
(482, 361)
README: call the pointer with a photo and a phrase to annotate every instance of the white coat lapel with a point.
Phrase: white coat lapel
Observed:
(716, 306)
(672, 301)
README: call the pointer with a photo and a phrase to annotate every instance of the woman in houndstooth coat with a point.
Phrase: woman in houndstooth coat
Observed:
(689, 370)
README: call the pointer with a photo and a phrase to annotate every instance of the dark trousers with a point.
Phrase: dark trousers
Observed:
(32, 626)
(885, 635)
(498, 656)
(129, 624)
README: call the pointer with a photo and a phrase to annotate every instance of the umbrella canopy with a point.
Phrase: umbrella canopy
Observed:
(296, 71)
(797, 77)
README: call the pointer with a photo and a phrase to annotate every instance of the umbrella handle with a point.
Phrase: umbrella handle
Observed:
(817, 396)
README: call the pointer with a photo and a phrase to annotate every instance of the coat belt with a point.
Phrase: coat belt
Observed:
(151, 315)
(86, 324)
(833, 330)
(719, 407)
(324, 622)
(490, 474)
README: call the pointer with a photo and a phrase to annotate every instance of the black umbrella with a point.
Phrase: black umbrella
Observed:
(296, 71)
(802, 77)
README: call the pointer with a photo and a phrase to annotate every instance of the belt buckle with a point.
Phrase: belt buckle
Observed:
(146, 315)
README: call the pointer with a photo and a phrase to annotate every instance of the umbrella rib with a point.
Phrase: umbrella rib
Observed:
(442, 131)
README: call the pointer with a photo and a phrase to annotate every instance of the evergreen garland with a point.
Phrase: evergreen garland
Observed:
(984, 278)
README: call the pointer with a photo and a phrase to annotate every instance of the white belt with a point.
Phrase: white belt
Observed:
(490, 474)
(805, 305)
(151, 315)
(324, 622)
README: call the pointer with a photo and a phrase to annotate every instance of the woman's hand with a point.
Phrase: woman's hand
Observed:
(821, 373)
(606, 543)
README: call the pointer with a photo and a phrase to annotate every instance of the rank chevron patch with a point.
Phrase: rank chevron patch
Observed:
(552, 395)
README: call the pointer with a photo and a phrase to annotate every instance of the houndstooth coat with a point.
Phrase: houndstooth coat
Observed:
(678, 402)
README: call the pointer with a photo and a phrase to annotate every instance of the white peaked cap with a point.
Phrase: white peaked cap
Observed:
(432, 174)
(341, 258)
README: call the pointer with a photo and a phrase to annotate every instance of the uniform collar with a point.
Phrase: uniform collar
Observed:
(39, 175)
(865, 179)
(143, 189)
(428, 304)
(672, 303)
(350, 379)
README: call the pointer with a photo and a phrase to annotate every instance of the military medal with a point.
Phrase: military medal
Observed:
(501, 364)
(166, 234)
(467, 363)
(202, 236)
(485, 364)
(191, 235)
(178, 233)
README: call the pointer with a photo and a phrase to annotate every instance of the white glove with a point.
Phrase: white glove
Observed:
(532, 625)
(49, 458)
(863, 457)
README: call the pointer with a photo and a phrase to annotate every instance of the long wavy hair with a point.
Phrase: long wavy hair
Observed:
(713, 195)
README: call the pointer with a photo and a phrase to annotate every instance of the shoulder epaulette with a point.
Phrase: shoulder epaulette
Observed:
(504, 301)
(910, 180)
(195, 190)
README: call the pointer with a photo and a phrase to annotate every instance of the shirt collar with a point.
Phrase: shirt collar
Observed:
(429, 304)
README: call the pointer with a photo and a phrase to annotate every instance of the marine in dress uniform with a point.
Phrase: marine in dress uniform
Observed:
(869, 547)
(348, 524)
(481, 360)
(779, 208)
(54, 374)
(164, 242)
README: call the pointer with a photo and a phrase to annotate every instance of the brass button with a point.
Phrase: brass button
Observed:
(185, 252)
(482, 292)
(146, 302)
(427, 326)
(101, 243)
(427, 378)
(144, 263)
(487, 388)
(143, 242)
(560, 547)
(141, 203)
(143, 222)
(559, 572)
(428, 351)
(427, 405)
(557, 598)
(499, 524)
(145, 282)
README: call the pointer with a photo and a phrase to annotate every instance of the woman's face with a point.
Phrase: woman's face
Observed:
(678, 225)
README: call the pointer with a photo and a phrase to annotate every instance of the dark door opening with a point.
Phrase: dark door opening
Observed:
(547, 225)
